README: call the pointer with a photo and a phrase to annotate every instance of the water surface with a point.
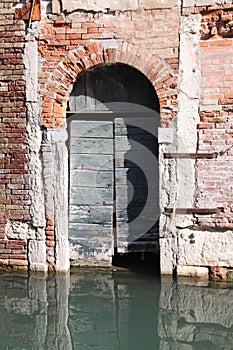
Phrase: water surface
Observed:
(92, 309)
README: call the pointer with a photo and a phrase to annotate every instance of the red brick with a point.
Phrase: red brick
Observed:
(18, 262)
(221, 42)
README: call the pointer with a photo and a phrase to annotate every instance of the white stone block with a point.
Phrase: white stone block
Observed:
(111, 43)
(56, 7)
(204, 2)
(31, 71)
(37, 255)
(159, 4)
(59, 135)
(193, 271)
(165, 135)
(99, 5)
(192, 3)
(166, 259)
(205, 248)
(113, 5)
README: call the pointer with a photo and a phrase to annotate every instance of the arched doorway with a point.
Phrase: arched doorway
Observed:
(113, 118)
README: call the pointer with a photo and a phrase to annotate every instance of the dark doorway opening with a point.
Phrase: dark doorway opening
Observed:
(135, 261)
(115, 83)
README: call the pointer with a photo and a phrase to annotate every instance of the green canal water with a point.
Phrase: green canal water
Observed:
(106, 310)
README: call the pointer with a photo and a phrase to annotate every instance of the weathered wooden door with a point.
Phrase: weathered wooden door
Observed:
(113, 188)
(113, 198)
(91, 191)
(136, 183)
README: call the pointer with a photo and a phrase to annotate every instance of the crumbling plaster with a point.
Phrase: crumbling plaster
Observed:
(180, 173)
(114, 5)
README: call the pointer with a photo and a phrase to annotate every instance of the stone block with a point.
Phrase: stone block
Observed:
(166, 258)
(193, 271)
(205, 2)
(111, 43)
(56, 6)
(159, 4)
(191, 3)
(99, 5)
(165, 135)
(37, 255)
(31, 71)
(205, 248)
(55, 136)
(114, 5)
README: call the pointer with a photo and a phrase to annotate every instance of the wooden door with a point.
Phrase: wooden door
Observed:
(114, 199)
(136, 184)
(113, 196)
(91, 191)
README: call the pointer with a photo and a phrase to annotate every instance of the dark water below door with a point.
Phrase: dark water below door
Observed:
(92, 309)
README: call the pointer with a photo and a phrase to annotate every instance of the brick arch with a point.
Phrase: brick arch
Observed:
(78, 61)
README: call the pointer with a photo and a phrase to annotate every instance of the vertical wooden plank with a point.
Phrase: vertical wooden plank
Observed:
(122, 146)
(136, 174)
(77, 99)
(91, 191)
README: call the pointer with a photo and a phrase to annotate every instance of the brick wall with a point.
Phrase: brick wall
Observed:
(14, 180)
(61, 34)
(215, 130)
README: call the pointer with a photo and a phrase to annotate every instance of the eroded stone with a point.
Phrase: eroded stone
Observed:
(193, 271)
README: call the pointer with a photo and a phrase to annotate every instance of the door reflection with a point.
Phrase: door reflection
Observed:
(91, 309)
(114, 311)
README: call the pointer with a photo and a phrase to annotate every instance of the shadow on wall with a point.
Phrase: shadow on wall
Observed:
(105, 310)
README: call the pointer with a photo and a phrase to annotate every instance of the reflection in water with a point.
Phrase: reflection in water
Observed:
(92, 309)
(195, 315)
(113, 312)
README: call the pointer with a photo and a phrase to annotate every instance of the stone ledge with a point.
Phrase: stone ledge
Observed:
(192, 3)
(205, 248)
(192, 271)
(116, 5)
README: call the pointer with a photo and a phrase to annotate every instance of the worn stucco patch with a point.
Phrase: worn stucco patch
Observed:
(22, 230)
(116, 5)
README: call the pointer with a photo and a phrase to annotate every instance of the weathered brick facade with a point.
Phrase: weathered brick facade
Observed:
(15, 200)
(186, 53)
